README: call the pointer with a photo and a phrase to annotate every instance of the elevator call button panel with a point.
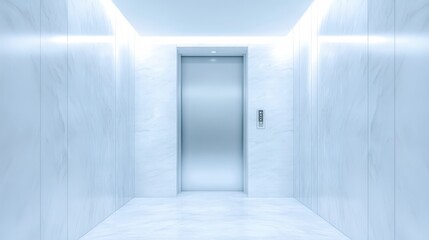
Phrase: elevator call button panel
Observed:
(260, 117)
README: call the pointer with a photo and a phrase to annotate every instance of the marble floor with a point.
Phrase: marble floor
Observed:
(214, 216)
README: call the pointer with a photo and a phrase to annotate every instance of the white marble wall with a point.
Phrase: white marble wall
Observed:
(54, 121)
(332, 132)
(343, 118)
(381, 120)
(270, 151)
(302, 116)
(131, 107)
(333, 100)
(67, 107)
(156, 120)
(124, 112)
(370, 155)
(100, 167)
(411, 119)
(92, 117)
(20, 103)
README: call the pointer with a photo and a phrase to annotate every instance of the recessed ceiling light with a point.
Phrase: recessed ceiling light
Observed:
(214, 52)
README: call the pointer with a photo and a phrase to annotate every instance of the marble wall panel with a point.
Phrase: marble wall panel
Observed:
(123, 160)
(305, 114)
(411, 119)
(131, 109)
(313, 14)
(54, 120)
(381, 120)
(91, 115)
(270, 150)
(20, 104)
(296, 117)
(343, 115)
(156, 120)
(332, 131)
(61, 100)
(372, 164)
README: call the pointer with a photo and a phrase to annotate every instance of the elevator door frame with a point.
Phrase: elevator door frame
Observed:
(207, 52)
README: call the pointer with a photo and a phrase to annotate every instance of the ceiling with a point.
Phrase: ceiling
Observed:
(213, 17)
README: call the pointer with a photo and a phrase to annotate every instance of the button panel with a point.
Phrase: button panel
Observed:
(260, 117)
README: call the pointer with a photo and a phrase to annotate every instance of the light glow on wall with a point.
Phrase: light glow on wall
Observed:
(357, 39)
(83, 39)
(194, 41)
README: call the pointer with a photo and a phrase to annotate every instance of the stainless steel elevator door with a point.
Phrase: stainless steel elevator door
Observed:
(212, 124)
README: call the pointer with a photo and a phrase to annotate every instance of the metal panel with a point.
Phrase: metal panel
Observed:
(212, 124)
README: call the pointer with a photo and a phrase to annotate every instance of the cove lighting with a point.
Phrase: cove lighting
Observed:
(183, 41)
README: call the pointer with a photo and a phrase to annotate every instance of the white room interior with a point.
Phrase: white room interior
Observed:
(314, 112)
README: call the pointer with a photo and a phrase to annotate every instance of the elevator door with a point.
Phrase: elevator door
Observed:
(212, 124)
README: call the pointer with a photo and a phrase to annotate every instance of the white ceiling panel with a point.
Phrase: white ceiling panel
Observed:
(213, 17)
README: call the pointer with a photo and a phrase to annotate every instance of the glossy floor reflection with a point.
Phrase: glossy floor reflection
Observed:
(214, 216)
